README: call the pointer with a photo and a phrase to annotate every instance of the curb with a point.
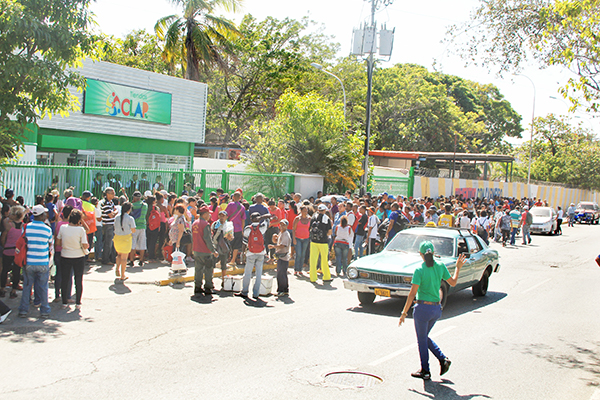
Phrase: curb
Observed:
(185, 279)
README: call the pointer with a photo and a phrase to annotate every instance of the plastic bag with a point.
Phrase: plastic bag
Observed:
(178, 262)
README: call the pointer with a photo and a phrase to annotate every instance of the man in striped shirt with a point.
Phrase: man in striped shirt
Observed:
(109, 255)
(39, 245)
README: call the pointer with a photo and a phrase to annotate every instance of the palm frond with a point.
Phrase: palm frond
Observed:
(228, 5)
(163, 24)
(173, 40)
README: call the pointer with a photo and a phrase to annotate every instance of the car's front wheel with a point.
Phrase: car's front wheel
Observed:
(366, 298)
(481, 287)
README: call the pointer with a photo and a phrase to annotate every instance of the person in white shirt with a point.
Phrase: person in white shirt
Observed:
(372, 232)
(464, 221)
(343, 243)
(73, 239)
(559, 219)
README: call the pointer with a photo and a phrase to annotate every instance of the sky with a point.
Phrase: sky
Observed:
(420, 28)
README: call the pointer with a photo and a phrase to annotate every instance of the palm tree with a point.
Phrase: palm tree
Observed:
(199, 37)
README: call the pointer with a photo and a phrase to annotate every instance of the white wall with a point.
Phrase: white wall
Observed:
(215, 164)
(308, 185)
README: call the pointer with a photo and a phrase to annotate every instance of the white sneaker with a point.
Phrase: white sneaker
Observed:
(3, 317)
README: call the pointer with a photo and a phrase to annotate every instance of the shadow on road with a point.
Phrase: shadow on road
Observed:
(585, 359)
(119, 287)
(458, 303)
(324, 286)
(203, 299)
(259, 303)
(443, 390)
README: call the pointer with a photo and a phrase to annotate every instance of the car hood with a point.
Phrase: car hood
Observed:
(394, 262)
(541, 220)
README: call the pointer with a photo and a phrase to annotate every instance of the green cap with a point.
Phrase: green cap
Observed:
(426, 247)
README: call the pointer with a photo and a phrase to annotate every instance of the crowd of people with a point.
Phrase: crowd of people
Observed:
(129, 228)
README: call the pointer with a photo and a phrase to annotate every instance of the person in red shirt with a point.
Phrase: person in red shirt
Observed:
(273, 228)
(204, 253)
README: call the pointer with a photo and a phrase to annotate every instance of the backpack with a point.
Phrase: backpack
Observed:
(21, 250)
(357, 218)
(528, 219)
(318, 232)
(383, 227)
(154, 220)
(481, 232)
(256, 241)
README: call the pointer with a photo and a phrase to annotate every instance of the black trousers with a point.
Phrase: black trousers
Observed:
(282, 278)
(8, 264)
(162, 236)
(151, 239)
(3, 308)
(76, 265)
(371, 242)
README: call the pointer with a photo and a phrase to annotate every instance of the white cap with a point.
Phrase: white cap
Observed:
(38, 210)
(322, 207)
(147, 193)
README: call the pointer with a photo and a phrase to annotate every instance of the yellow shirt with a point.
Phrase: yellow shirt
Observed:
(445, 220)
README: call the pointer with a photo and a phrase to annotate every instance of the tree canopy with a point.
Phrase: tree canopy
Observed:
(561, 153)
(509, 33)
(139, 49)
(199, 37)
(307, 135)
(268, 57)
(38, 41)
(415, 109)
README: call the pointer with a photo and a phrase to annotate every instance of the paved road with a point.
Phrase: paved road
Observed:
(534, 336)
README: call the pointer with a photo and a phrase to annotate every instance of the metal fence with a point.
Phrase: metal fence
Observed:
(29, 180)
(393, 185)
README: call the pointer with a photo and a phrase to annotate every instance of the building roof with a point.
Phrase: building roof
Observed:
(416, 155)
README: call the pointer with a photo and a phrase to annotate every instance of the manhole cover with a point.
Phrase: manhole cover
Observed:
(352, 379)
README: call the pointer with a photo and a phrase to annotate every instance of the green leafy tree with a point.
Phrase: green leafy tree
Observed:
(268, 57)
(509, 33)
(561, 153)
(414, 109)
(38, 40)
(138, 49)
(198, 37)
(307, 136)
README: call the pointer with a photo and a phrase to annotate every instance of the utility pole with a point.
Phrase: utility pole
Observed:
(365, 42)
(370, 62)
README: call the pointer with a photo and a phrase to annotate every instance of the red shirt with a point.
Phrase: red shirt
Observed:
(198, 236)
(276, 212)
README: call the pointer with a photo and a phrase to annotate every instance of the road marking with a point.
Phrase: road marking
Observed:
(537, 286)
(405, 349)
(596, 394)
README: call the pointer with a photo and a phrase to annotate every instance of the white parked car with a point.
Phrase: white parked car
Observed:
(544, 220)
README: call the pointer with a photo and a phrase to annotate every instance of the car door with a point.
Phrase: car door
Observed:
(466, 273)
(476, 260)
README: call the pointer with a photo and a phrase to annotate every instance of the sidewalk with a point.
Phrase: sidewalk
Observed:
(156, 273)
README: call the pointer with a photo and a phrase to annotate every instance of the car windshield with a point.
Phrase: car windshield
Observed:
(586, 206)
(540, 212)
(410, 243)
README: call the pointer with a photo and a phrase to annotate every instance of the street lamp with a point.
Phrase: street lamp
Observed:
(320, 68)
(531, 141)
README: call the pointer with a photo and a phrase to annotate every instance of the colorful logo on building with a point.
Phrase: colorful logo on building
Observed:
(127, 107)
(113, 100)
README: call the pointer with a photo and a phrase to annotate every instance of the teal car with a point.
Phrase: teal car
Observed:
(389, 273)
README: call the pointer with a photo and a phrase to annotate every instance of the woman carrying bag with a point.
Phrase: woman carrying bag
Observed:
(426, 283)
